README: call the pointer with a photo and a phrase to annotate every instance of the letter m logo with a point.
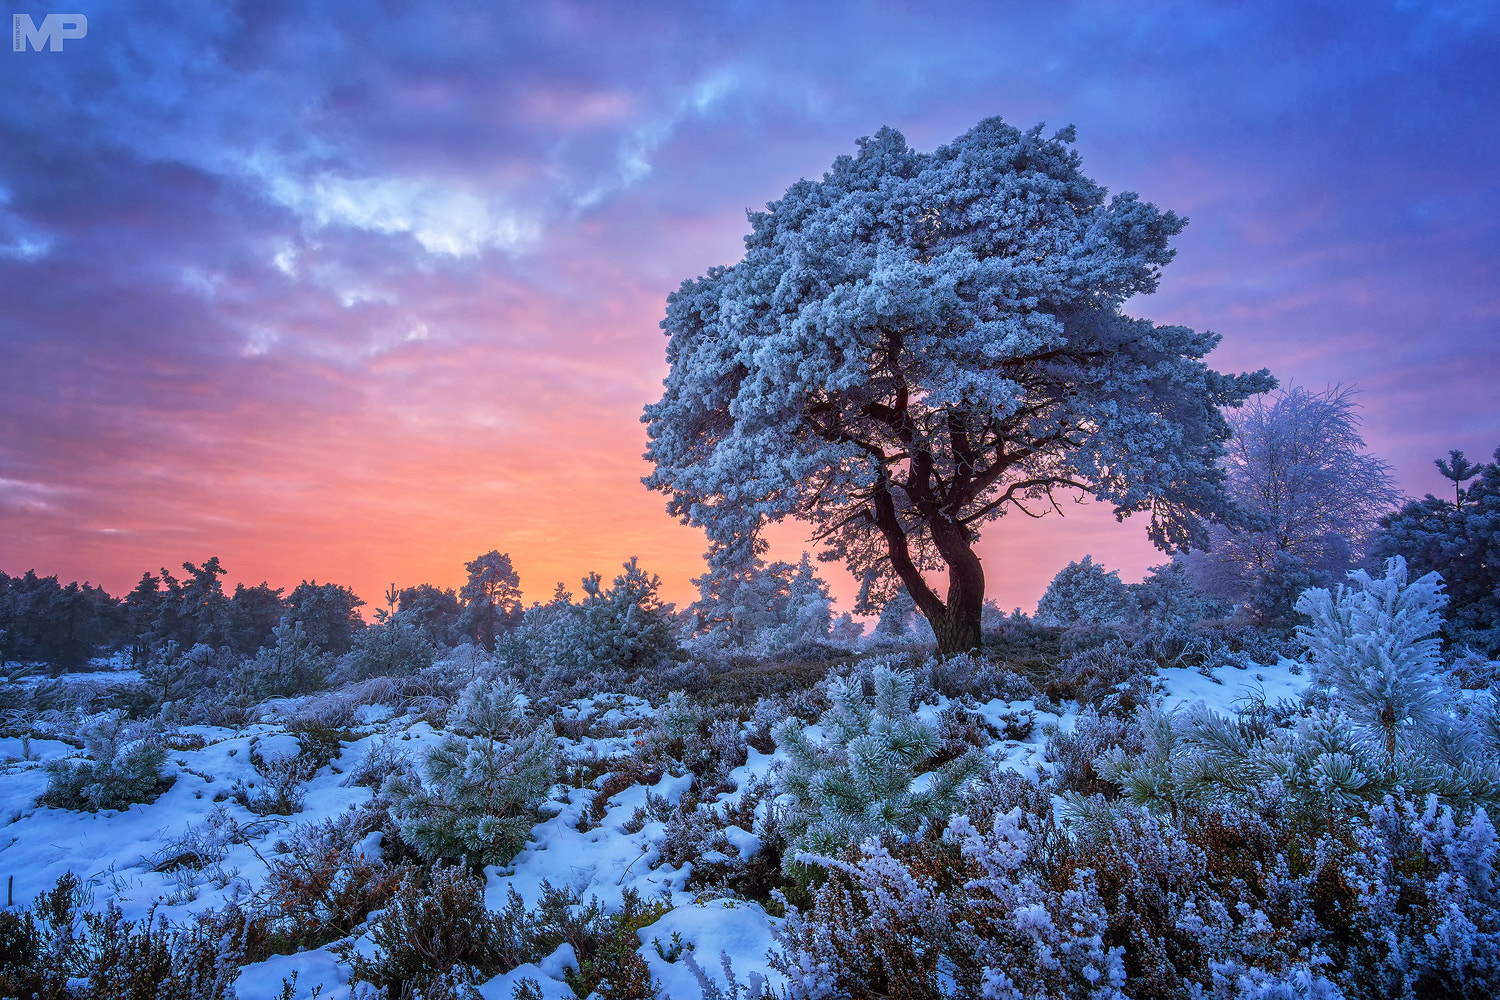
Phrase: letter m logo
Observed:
(54, 28)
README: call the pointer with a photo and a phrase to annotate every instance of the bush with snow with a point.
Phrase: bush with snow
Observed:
(477, 789)
(859, 780)
(124, 767)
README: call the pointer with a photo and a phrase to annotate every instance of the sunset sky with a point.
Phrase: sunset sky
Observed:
(356, 292)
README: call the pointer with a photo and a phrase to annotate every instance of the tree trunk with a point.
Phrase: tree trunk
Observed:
(956, 622)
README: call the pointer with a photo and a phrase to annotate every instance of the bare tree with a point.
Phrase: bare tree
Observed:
(1310, 493)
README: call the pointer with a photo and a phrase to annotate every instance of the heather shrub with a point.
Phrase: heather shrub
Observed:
(279, 786)
(1111, 677)
(960, 916)
(124, 767)
(323, 882)
(434, 930)
(59, 949)
(437, 934)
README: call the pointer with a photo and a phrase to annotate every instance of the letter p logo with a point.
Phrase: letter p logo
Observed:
(54, 28)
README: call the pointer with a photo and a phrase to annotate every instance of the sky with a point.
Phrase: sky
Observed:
(355, 292)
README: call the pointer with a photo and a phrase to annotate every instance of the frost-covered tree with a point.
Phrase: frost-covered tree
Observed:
(1083, 593)
(762, 607)
(1461, 541)
(1376, 642)
(492, 598)
(478, 788)
(922, 342)
(436, 612)
(1311, 495)
(859, 780)
(328, 614)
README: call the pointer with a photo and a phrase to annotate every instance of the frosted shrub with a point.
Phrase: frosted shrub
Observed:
(290, 664)
(859, 781)
(963, 917)
(124, 767)
(396, 646)
(1082, 593)
(477, 789)
(1377, 644)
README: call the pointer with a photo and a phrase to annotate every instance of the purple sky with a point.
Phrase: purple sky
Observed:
(356, 292)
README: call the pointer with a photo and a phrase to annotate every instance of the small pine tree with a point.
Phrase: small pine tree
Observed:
(395, 646)
(478, 789)
(625, 627)
(290, 664)
(859, 782)
(125, 767)
(1376, 643)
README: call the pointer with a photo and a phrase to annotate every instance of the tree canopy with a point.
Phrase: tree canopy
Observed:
(922, 342)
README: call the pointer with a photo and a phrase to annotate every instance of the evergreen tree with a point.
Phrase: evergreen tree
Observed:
(478, 789)
(328, 614)
(1461, 542)
(761, 607)
(436, 612)
(491, 598)
(1376, 643)
(253, 613)
(1082, 593)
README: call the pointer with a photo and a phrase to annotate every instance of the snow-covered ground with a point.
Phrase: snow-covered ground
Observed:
(117, 853)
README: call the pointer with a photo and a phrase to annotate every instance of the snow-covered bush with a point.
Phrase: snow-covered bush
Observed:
(1376, 643)
(1082, 593)
(478, 788)
(124, 767)
(861, 778)
(279, 788)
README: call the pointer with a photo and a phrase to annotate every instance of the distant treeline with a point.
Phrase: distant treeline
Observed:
(65, 626)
